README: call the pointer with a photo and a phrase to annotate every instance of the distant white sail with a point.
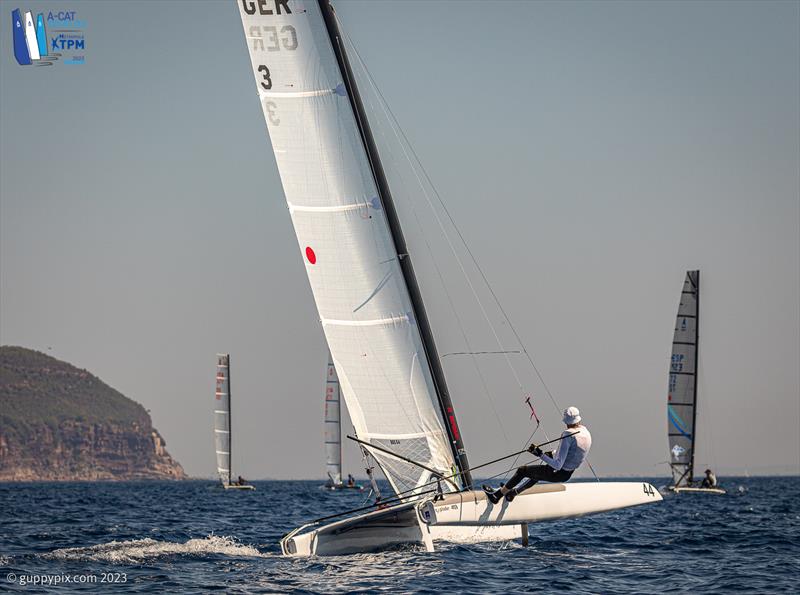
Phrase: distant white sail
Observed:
(222, 419)
(682, 390)
(345, 239)
(333, 425)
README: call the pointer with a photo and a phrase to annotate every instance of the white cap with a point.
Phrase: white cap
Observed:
(571, 415)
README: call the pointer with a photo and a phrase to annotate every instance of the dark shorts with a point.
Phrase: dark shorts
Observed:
(537, 473)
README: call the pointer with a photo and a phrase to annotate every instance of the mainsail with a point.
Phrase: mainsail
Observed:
(333, 425)
(349, 239)
(682, 392)
(222, 418)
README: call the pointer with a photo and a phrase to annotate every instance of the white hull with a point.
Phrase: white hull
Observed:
(542, 502)
(464, 518)
(235, 487)
(382, 529)
(697, 490)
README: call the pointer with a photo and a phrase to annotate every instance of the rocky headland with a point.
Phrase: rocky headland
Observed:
(61, 423)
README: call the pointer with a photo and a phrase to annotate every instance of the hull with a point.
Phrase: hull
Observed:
(697, 490)
(235, 487)
(466, 517)
(383, 529)
(540, 503)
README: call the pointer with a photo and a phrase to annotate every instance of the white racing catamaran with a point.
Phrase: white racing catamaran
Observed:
(682, 390)
(222, 425)
(371, 308)
(333, 433)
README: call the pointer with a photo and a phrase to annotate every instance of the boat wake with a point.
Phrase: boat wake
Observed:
(138, 550)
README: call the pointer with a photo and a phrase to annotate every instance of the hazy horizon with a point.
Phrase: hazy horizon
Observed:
(590, 152)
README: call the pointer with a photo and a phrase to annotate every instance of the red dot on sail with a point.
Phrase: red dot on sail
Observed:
(312, 258)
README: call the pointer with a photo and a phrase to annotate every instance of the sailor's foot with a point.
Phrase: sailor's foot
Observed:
(510, 495)
(493, 495)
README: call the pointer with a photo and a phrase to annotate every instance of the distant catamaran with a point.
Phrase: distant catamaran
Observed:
(370, 305)
(222, 425)
(333, 432)
(682, 390)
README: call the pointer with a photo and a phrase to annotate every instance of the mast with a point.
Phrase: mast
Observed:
(696, 281)
(431, 354)
(341, 471)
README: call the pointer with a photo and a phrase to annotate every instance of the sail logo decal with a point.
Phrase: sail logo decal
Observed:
(677, 422)
(311, 255)
(54, 37)
(678, 451)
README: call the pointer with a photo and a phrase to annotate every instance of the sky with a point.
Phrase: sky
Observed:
(590, 152)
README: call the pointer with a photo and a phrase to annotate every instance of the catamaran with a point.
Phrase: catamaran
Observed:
(333, 433)
(682, 390)
(222, 425)
(371, 308)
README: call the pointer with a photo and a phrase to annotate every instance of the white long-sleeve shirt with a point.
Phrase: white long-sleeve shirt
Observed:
(571, 451)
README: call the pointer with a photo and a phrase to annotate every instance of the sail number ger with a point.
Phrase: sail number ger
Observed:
(266, 7)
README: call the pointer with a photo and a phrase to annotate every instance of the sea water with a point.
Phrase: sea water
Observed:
(194, 537)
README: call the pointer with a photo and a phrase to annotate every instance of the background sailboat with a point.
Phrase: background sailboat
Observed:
(370, 304)
(222, 425)
(682, 391)
(333, 433)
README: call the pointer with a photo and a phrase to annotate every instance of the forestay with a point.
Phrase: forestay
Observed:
(345, 240)
(222, 419)
(682, 392)
(333, 425)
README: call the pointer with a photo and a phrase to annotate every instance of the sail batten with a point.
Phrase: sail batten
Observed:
(371, 323)
(682, 388)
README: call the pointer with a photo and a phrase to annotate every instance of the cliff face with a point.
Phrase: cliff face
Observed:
(58, 422)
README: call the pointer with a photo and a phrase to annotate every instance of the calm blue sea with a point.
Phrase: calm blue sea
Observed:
(194, 537)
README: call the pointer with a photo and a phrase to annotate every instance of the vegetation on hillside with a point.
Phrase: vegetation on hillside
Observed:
(36, 388)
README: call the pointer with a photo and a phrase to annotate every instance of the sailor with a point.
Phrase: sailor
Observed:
(573, 448)
(351, 482)
(710, 480)
(241, 481)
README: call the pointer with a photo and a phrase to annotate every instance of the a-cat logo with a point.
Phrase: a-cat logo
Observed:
(47, 38)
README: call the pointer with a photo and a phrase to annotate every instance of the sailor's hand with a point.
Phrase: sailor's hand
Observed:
(535, 450)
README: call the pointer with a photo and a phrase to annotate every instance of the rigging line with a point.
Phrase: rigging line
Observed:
(461, 328)
(453, 309)
(477, 353)
(460, 235)
(433, 472)
(486, 464)
(516, 458)
(395, 128)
